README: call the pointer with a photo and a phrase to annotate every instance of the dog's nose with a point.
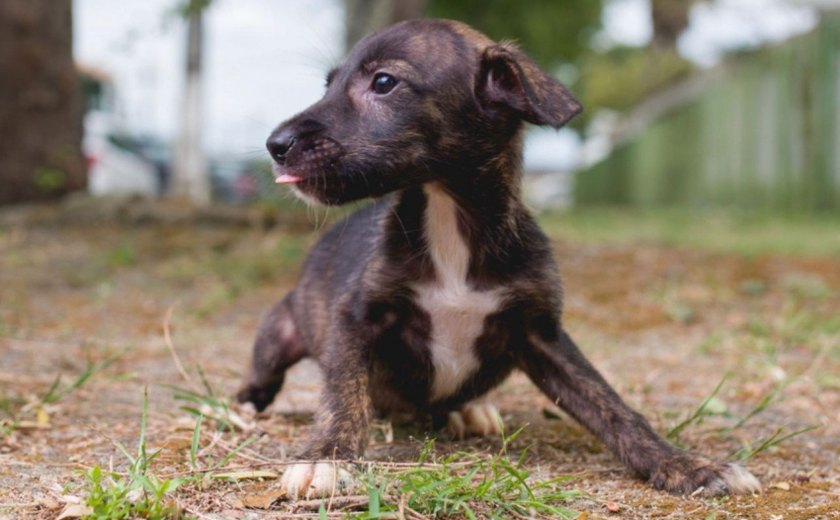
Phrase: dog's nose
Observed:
(279, 143)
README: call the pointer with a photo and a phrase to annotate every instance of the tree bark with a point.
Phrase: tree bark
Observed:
(40, 102)
(363, 17)
(670, 19)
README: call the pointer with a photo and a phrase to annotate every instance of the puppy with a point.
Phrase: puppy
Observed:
(428, 298)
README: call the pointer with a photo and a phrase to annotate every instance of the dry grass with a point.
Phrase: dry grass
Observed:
(663, 323)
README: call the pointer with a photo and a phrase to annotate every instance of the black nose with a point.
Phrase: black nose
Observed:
(279, 143)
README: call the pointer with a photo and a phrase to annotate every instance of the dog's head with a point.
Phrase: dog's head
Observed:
(418, 101)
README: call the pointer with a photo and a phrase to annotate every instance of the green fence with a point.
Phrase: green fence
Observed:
(765, 133)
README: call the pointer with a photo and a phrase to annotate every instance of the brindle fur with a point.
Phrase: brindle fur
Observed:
(455, 119)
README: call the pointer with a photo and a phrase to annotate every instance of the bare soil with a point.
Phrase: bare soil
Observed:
(664, 325)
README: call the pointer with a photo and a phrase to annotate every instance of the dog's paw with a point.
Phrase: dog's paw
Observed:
(259, 396)
(315, 480)
(690, 474)
(480, 419)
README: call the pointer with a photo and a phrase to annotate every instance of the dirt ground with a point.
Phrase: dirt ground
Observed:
(664, 325)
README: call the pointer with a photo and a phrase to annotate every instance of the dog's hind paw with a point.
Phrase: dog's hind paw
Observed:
(315, 480)
(693, 475)
(479, 419)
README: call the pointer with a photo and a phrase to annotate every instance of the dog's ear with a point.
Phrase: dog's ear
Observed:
(509, 78)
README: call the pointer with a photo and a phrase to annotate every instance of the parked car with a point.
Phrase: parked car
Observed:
(113, 169)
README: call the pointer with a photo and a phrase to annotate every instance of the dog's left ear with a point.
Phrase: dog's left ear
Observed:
(509, 78)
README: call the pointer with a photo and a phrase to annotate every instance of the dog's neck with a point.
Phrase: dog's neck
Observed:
(469, 222)
(446, 244)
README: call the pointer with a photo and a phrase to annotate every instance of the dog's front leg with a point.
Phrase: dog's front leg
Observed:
(341, 430)
(557, 367)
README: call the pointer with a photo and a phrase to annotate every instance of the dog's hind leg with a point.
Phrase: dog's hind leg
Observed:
(277, 347)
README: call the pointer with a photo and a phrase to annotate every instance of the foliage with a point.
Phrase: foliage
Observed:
(56, 392)
(748, 451)
(139, 494)
(109, 496)
(623, 77)
(759, 133)
(468, 484)
(549, 31)
(11, 408)
(743, 233)
(189, 7)
(554, 33)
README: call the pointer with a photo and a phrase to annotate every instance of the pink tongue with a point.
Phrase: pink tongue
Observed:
(285, 178)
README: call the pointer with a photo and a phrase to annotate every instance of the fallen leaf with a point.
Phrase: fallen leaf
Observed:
(30, 425)
(263, 500)
(246, 475)
(781, 485)
(613, 507)
(75, 511)
(48, 502)
(42, 418)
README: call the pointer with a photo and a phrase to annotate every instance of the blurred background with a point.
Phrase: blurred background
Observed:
(694, 210)
(693, 104)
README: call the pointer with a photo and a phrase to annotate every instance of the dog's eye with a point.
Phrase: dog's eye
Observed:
(384, 83)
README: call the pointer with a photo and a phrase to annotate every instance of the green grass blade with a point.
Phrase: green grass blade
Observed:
(194, 443)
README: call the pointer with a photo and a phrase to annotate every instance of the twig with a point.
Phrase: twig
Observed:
(278, 462)
(167, 338)
(195, 512)
(339, 502)
(818, 491)
(27, 505)
(255, 457)
(818, 359)
(334, 484)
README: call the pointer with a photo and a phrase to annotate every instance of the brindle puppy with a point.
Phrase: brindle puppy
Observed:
(431, 296)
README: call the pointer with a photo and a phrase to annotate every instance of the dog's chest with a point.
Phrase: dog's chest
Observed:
(457, 311)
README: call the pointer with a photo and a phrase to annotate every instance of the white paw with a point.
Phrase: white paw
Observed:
(314, 480)
(480, 419)
(739, 481)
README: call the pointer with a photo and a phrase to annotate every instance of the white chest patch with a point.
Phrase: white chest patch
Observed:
(457, 311)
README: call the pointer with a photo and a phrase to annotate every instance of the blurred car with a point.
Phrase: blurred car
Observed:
(235, 180)
(112, 168)
(151, 149)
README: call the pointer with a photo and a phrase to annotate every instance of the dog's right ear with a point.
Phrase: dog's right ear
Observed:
(508, 79)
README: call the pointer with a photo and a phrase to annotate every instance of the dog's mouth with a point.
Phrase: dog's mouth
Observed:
(286, 178)
(307, 160)
(322, 170)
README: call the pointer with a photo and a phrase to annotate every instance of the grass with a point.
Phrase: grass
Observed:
(715, 230)
(749, 451)
(712, 406)
(57, 392)
(462, 484)
(697, 415)
(139, 494)
(204, 402)
(467, 485)
(762, 323)
(13, 409)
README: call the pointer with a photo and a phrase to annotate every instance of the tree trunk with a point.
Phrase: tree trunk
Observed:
(40, 102)
(670, 19)
(363, 17)
(190, 176)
